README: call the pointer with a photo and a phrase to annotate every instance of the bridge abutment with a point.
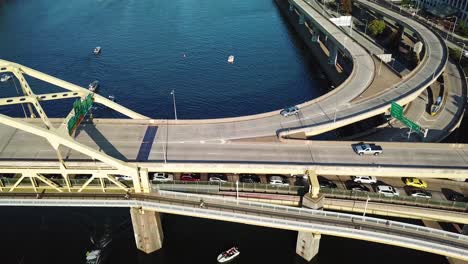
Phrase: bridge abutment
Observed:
(307, 245)
(147, 228)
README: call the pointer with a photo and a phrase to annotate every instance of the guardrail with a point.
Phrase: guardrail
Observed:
(210, 187)
(354, 219)
(403, 200)
(328, 223)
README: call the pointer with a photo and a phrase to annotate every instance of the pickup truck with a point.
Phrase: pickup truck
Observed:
(365, 148)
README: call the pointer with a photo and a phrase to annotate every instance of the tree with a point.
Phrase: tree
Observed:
(347, 6)
(376, 27)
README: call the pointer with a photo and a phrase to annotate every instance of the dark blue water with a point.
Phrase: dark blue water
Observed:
(152, 47)
(62, 235)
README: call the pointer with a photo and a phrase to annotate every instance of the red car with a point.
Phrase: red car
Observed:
(189, 177)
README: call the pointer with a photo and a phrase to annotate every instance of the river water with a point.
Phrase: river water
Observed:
(151, 47)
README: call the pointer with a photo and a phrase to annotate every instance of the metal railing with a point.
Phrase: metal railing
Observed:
(330, 223)
(294, 211)
(403, 200)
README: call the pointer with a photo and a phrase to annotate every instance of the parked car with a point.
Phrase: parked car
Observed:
(163, 177)
(249, 178)
(364, 179)
(192, 177)
(82, 176)
(452, 195)
(53, 176)
(362, 148)
(416, 192)
(278, 180)
(415, 182)
(6, 175)
(289, 111)
(217, 177)
(354, 186)
(387, 190)
(325, 183)
(123, 178)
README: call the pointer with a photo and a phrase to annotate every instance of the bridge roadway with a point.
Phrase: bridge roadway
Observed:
(316, 116)
(262, 214)
(20, 150)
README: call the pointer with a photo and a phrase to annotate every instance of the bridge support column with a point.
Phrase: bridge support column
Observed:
(307, 245)
(333, 56)
(147, 228)
(301, 19)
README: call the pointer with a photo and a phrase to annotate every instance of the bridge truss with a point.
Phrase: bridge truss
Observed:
(59, 135)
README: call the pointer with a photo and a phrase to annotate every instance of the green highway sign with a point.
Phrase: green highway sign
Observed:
(413, 126)
(396, 110)
(81, 107)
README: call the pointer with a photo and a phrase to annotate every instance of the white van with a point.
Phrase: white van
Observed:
(364, 179)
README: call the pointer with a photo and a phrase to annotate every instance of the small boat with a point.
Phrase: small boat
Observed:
(111, 97)
(5, 77)
(100, 250)
(231, 59)
(97, 50)
(94, 256)
(228, 255)
(93, 86)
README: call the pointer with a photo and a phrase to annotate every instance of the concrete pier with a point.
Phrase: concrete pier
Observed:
(307, 245)
(147, 228)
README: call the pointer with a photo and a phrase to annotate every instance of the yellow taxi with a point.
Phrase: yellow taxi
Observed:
(415, 182)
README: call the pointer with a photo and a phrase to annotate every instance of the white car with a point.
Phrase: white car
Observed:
(364, 179)
(123, 178)
(278, 180)
(216, 179)
(387, 191)
(163, 177)
(289, 111)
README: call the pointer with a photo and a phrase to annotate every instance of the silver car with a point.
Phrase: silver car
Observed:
(289, 111)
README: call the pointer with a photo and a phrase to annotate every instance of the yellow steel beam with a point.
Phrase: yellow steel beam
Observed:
(11, 66)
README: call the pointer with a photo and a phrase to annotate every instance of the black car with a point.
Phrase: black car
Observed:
(249, 178)
(325, 183)
(354, 186)
(452, 195)
(7, 175)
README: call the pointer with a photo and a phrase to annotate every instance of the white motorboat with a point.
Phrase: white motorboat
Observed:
(111, 97)
(228, 255)
(231, 59)
(97, 50)
(5, 77)
(94, 256)
(93, 86)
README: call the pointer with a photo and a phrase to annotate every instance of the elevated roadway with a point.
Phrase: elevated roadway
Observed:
(261, 214)
(19, 151)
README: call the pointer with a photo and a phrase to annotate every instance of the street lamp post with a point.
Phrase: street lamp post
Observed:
(365, 29)
(450, 28)
(336, 106)
(173, 101)
(365, 207)
(237, 192)
(461, 53)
